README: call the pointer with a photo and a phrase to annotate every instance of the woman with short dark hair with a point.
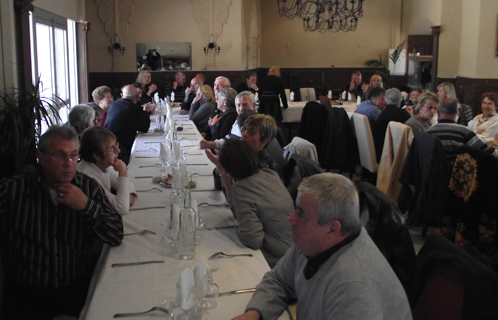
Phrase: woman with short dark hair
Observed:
(259, 200)
(99, 160)
(487, 122)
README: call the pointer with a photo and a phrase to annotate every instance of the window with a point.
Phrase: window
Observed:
(53, 57)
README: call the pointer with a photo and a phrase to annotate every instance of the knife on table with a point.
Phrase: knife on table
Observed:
(134, 263)
(229, 293)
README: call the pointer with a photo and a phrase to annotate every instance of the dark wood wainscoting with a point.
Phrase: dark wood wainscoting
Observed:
(322, 79)
(469, 91)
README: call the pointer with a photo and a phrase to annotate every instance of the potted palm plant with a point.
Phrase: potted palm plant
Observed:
(23, 114)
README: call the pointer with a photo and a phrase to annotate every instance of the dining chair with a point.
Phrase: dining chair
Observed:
(396, 145)
(366, 147)
(307, 94)
(302, 147)
(287, 94)
(313, 124)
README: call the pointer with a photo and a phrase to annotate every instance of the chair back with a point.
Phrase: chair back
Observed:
(313, 123)
(287, 94)
(366, 148)
(339, 148)
(396, 145)
(303, 148)
(387, 228)
(307, 94)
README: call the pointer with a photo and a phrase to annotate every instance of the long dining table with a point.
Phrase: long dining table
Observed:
(140, 287)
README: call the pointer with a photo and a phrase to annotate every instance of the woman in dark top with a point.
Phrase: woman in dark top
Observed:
(222, 123)
(202, 109)
(271, 91)
(148, 88)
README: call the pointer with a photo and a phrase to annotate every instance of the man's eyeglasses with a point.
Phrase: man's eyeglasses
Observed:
(61, 156)
(113, 148)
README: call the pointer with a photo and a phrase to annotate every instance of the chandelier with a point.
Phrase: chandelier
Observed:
(325, 15)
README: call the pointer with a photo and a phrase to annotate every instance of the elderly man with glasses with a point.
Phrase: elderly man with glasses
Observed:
(53, 223)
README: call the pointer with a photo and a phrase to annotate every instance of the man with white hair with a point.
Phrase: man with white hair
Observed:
(125, 118)
(243, 101)
(81, 116)
(334, 270)
(177, 86)
(391, 112)
(221, 83)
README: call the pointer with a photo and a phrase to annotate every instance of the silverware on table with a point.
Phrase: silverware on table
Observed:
(139, 233)
(126, 264)
(147, 208)
(143, 177)
(220, 254)
(223, 227)
(154, 165)
(133, 314)
(149, 190)
(229, 293)
(197, 164)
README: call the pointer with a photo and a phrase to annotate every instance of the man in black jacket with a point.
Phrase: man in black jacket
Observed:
(125, 118)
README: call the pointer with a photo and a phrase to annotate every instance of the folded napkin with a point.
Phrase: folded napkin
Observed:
(186, 297)
(175, 216)
(348, 98)
(291, 96)
(164, 152)
(329, 94)
(172, 97)
(177, 151)
(200, 276)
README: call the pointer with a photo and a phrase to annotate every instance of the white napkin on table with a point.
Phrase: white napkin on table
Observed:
(329, 94)
(164, 152)
(291, 96)
(175, 224)
(348, 98)
(195, 207)
(177, 151)
(200, 273)
(186, 297)
(172, 97)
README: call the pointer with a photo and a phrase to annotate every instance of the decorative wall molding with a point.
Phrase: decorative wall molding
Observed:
(116, 15)
(211, 16)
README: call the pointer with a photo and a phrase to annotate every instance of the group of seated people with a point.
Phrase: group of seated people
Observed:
(439, 114)
(320, 254)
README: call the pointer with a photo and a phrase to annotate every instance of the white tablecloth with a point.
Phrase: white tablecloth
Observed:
(139, 288)
(295, 109)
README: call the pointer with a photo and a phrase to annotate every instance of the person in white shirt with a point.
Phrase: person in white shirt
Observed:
(99, 160)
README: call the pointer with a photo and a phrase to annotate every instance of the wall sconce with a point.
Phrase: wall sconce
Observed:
(116, 46)
(210, 46)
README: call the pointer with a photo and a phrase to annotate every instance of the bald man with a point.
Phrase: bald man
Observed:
(125, 118)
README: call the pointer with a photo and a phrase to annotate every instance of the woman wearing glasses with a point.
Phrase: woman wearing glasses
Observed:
(425, 111)
(99, 160)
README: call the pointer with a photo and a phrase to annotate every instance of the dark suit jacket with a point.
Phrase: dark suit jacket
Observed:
(124, 119)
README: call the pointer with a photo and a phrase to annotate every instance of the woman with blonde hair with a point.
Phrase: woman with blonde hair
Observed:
(148, 88)
(447, 90)
(375, 81)
(201, 112)
(271, 91)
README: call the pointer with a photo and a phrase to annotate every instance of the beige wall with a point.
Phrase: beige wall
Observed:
(487, 66)
(469, 41)
(166, 21)
(285, 43)
(70, 9)
(449, 40)
(420, 15)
